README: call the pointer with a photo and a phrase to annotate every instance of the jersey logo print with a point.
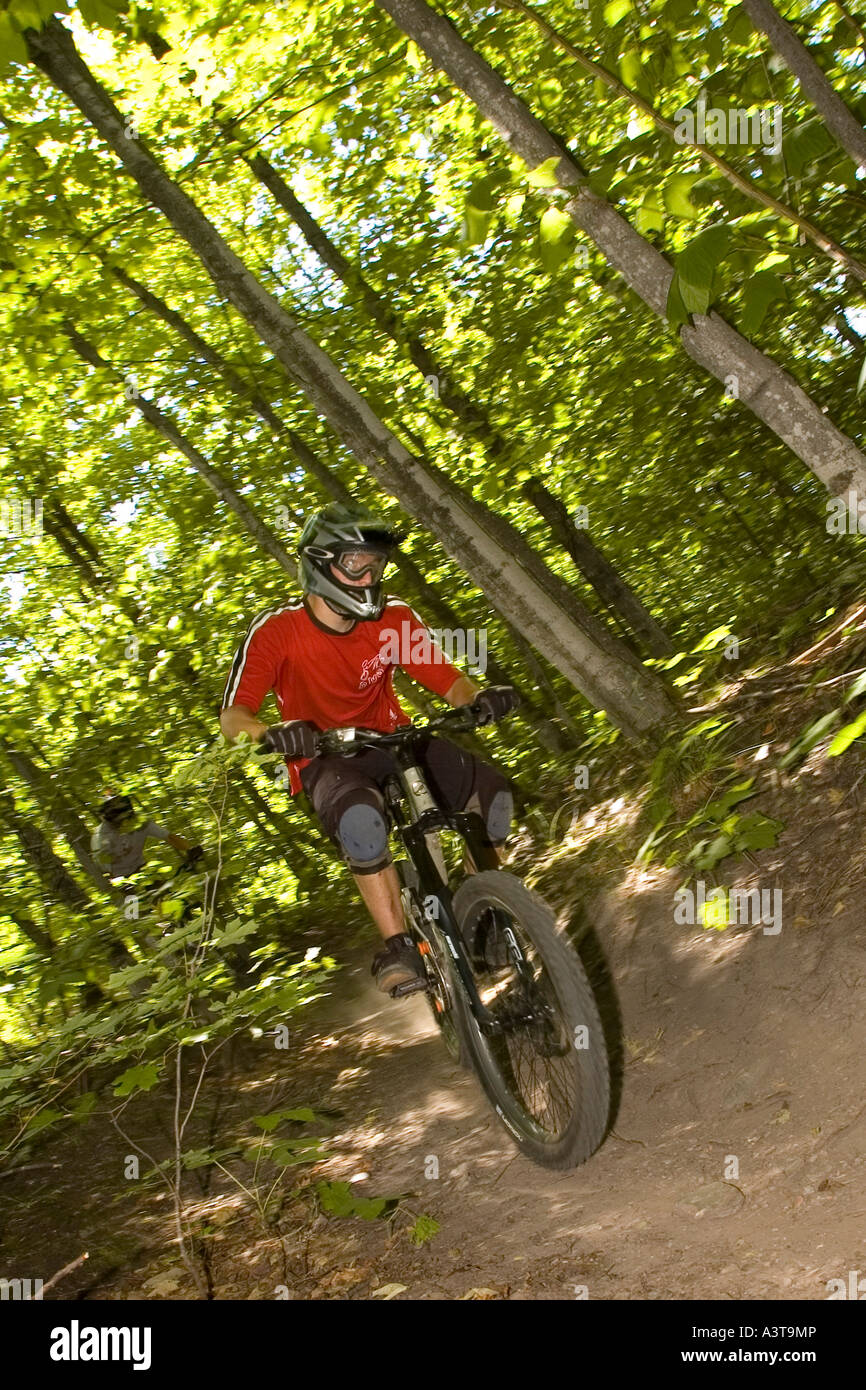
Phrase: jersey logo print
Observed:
(371, 670)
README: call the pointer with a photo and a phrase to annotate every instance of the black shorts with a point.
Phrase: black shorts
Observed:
(334, 785)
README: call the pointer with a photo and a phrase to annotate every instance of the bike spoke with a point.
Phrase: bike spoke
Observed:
(534, 1056)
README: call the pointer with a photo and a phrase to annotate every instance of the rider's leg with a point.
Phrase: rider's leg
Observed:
(381, 895)
(462, 782)
(348, 800)
(363, 835)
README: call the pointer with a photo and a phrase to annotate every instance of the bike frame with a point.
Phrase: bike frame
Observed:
(425, 816)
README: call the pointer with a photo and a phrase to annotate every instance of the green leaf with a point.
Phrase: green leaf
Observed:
(676, 196)
(719, 808)
(476, 225)
(303, 1114)
(631, 69)
(616, 10)
(556, 233)
(425, 1229)
(650, 215)
(335, 1198)
(236, 931)
(675, 310)
(805, 144)
(759, 292)
(368, 1208)
(83, 1106)
(196, 1158)
(544, 175)
(847, 735)
(757, 832)
(26, 14)
(714, 913)
(99, 14)
(43, 1120)
(708, 853)
(13, 49)
(856, 688)
(811, 735)
(289, 1153)
(696, 267)
(142, 1078)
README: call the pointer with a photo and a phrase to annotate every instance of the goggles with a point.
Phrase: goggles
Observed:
(362, 561)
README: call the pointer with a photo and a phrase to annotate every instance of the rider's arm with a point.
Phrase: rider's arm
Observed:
(240, 719)
(462, 692)
(179, 843)
(253, 673)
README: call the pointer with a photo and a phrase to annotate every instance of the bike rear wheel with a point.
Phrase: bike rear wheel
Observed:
(546, 1071)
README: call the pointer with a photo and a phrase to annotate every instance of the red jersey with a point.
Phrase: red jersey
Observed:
(335, 679)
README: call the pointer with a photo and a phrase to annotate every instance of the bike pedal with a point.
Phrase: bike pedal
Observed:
(410, 987)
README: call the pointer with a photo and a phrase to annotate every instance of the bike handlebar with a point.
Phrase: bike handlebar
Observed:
(349, 740)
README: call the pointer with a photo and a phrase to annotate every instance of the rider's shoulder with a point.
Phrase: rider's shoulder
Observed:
(279, 614)
(398, 607)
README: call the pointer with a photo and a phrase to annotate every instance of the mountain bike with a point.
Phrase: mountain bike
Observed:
(506, 988)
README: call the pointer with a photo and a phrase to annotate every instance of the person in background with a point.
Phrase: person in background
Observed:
(119, 842)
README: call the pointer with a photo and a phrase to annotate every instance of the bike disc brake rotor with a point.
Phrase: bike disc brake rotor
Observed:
(438, 986)
(533, 1048)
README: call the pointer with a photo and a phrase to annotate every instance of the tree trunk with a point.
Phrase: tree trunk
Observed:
(608, 583)
(53, 802)
(36, 934)
(838, 118)
(54, 876)
(155, 417)
(511, 574)
(59, 525)
(472, 418)
(771, 393)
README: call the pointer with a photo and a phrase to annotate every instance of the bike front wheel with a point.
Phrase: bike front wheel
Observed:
(545, 1068)
(444, 996)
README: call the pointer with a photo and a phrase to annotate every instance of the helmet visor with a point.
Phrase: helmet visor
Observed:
(362, 562)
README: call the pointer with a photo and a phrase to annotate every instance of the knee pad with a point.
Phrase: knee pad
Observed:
(363, 835)
(499, 815)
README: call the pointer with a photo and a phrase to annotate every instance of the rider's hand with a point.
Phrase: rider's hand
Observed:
(296, 738)
(494, 702)
(193, 855)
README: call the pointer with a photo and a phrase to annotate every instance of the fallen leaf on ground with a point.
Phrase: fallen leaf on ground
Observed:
(344, 1278)
(166, 1282)
(388, 1291)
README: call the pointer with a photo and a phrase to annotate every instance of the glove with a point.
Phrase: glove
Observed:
(494, 702)
(296, 738)
(194, 854)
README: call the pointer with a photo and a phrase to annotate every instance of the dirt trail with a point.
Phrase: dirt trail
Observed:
(738, 1048)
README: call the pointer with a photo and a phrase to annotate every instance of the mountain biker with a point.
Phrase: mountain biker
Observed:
(118, 843)
(329, 660)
